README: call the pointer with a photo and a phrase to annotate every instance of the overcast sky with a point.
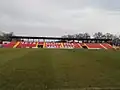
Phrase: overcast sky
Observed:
(59, 17)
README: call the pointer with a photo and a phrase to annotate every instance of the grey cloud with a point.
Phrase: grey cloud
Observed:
(106, 4)
(56, 17)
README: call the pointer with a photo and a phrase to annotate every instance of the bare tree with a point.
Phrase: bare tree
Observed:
(68, 36)
(64, 36)
(86, 36)
(98, 35)
(6, 36)
(109, 36)
(80, 35)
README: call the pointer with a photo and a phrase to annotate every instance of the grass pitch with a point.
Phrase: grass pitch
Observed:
(53, 69)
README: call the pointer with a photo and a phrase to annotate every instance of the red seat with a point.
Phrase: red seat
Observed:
(94, 45)
(77, 45)
(9, 44)
(27, 44)
(108, 46)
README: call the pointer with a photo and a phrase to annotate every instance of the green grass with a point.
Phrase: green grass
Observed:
(53, 69)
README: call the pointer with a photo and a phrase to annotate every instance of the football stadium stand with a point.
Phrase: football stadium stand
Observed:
(69, 43)
(57, 45)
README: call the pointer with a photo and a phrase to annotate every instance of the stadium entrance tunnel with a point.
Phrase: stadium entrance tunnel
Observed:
(40, 46)
(85, 47)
